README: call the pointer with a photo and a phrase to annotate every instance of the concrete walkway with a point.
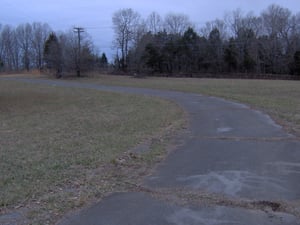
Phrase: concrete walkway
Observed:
(234, 166)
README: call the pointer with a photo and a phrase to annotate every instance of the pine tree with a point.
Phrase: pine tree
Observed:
(1, 64)
(297, 62)
(53, 55)
(103, 61)
(230, 56)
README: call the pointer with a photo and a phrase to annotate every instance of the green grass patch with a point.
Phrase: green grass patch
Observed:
(57, 144)
(278, 98)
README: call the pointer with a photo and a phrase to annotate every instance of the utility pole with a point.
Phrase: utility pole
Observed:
(78, 30)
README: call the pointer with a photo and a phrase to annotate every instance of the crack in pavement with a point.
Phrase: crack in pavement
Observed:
(239, 138)
(185, 197)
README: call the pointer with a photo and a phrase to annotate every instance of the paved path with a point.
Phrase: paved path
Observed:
(240, 162)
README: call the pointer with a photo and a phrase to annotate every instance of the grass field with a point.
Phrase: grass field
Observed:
(60, 148)
(280, 99)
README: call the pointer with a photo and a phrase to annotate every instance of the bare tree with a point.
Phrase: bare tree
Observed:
(234, 21)
(295, 33)
(1, 50)
(276, 20)
(154, 23)
(254, 23)
(88, 58)
(237, 21)
(125, 22)
(177, 23)
(297, 23)
(10, 49)
(24, 38)
(40, 35)
(139, 31)
(27, 47)
(215, 24)
(68, 44)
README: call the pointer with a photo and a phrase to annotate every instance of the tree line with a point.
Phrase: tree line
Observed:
(22, 47)
(239, 43)
(37, 46)
(173, 44)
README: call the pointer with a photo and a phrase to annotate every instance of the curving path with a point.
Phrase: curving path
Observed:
(237, 163)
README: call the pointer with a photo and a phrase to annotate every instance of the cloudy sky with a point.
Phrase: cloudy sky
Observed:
(95, 15)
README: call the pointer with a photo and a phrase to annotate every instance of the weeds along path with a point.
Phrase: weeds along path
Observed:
(233, 165)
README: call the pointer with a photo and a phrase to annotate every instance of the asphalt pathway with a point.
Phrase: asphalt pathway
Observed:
(244, 167)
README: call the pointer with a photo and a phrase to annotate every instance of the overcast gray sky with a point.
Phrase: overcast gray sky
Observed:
(95, 15)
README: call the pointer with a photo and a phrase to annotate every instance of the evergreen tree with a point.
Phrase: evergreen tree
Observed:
(297, 62)
(214, 50)
(1, 64)
(230, 56)
(249, 63)
(190, 50)
(152, 58)
(53, 55)
(103, 61)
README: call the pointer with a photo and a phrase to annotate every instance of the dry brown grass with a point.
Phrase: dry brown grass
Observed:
(60, 148)
(278, 98)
